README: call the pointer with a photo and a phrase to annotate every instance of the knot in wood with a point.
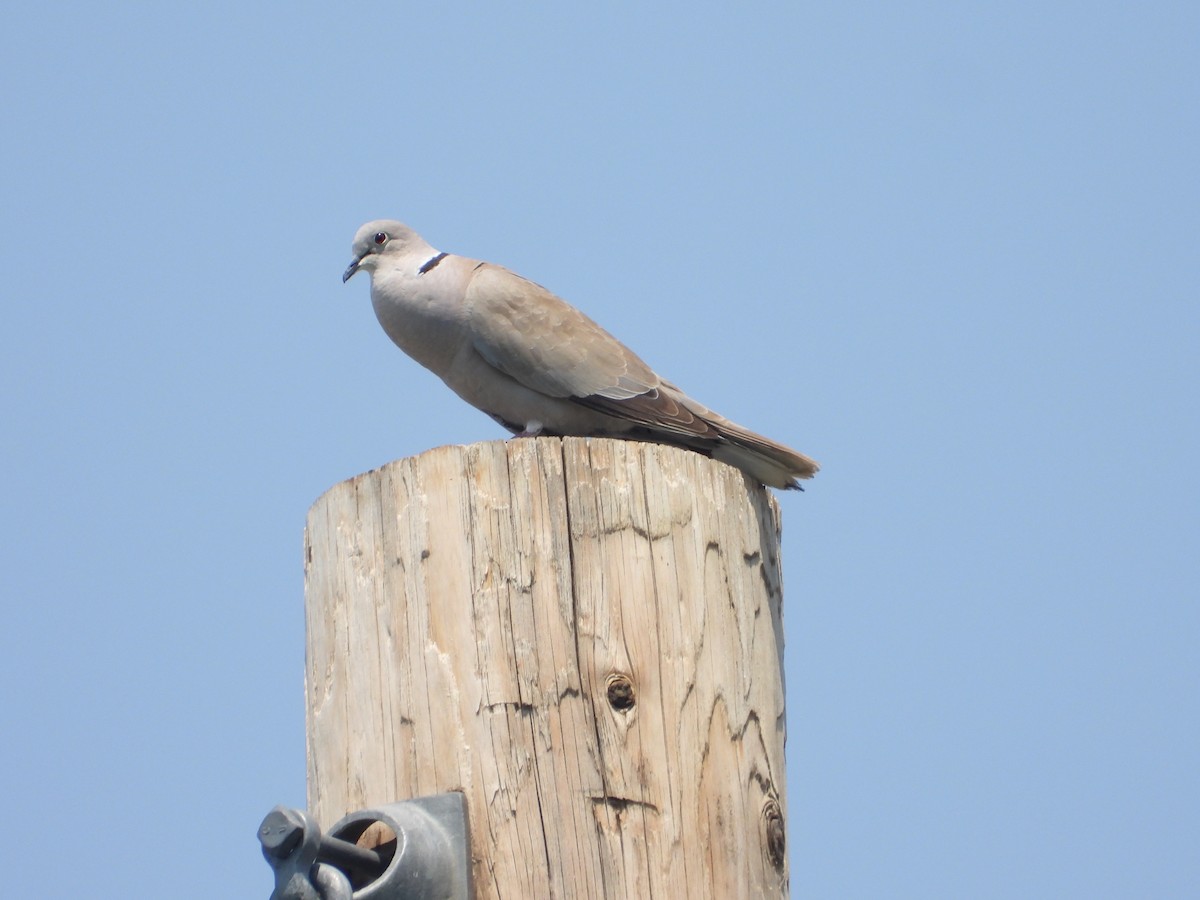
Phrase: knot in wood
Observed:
(620, 692)
(773, 832)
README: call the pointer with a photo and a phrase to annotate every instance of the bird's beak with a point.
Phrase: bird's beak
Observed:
(350, 270)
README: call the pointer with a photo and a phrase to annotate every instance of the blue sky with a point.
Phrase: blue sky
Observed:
(949, 250)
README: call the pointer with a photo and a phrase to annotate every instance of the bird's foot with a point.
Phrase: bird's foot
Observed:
(532, 429)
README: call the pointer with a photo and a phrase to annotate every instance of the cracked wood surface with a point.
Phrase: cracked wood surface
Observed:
(582, 635)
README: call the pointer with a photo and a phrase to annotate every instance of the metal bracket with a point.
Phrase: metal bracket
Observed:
(416, 850)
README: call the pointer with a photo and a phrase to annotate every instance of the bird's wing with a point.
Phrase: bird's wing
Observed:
(546, 344)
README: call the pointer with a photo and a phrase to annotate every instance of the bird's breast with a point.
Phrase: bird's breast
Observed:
(419, 322)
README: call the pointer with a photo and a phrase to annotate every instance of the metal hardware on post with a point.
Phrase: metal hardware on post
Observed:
(291, 843)
(423, 854)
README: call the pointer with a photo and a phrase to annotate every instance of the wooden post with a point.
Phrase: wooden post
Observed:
(582, 635)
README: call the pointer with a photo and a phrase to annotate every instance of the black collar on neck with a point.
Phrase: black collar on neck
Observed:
(431, 263)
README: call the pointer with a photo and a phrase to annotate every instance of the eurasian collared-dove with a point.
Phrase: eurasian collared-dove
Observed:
(536, 364)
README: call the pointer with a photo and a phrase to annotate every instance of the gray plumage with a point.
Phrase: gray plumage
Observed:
(536, 364)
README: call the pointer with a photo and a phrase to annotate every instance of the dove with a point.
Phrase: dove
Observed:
(536, 364)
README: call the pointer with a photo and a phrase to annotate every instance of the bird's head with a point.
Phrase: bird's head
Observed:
(375, 240)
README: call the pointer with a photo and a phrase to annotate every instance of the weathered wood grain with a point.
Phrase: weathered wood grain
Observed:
(584, 636)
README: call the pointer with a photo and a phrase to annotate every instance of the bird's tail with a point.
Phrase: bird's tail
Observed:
(773, 464)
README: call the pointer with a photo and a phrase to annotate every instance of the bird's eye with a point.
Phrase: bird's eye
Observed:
(380, 238)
